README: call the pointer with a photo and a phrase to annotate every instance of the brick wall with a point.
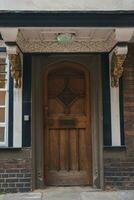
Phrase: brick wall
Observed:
(15, 171)
(119, 163)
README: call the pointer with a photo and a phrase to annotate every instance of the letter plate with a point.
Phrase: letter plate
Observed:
(67, 122)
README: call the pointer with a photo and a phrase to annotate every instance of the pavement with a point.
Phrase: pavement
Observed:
(72, 193)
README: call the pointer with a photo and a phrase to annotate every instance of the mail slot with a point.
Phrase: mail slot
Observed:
(67, 122)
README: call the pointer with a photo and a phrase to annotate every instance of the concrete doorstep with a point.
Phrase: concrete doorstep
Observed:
(73, 193)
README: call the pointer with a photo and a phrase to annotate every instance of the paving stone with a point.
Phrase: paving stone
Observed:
(23, 196)
(126, 195)
(122, 195)
(1, 197)
(73, 193)
(62, 196)
(99, 196)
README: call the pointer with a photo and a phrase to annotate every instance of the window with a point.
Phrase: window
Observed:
(4, 95)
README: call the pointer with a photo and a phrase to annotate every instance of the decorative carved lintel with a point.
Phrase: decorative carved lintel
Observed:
(15, 62)
(118, 58)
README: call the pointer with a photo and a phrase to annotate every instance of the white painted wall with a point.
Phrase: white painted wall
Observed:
(17, 118)
(115, 112)
(115, 117)
(66, 5)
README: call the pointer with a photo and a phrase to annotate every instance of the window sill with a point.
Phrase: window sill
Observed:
(10, 148)
(123, 147)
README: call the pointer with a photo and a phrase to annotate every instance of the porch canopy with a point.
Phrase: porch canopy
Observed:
(92, 30)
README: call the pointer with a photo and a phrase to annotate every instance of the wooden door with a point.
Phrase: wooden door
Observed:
(67, 125)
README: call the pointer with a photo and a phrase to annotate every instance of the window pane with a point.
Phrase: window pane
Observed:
(2, 80)
(2, 97)
(2, 114)
(2, 131)
(2, 67)
(2, 74)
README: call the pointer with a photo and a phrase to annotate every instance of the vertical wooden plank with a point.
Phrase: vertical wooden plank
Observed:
(53, 135)
(63, 147)
(82, 150)
(73, 149)
(47, 138)
(68, 149)
(78, 150)
(58, 132)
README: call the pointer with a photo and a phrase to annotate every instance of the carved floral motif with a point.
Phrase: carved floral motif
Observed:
(117, 68)
(15, 62)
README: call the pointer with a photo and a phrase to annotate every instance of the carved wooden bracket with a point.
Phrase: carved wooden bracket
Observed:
(15, 62)
(118, 58)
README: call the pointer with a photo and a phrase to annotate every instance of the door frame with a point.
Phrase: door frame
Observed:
(37, 116)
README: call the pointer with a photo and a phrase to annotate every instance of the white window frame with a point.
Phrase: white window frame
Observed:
(6, 89)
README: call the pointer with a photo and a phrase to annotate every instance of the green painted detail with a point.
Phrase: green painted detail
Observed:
(65, 38)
